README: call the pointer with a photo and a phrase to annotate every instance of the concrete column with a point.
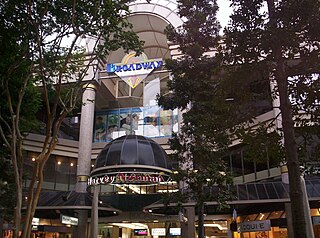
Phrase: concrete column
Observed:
(307, 213)
(85, 137)
(94, 212)
(188, 226)
(84, 154)
(276, 104)
(287, 206)
(80, 231)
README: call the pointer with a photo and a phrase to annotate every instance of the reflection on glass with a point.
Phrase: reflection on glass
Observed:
(148, 121)
(125, 122)
(100, 128)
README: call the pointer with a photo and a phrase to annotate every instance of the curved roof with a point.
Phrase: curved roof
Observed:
(132, 152)
(149, 20)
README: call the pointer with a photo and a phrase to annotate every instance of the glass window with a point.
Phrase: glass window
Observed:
(100, 128)
(150, 121)
(113, 125)
(49, 175)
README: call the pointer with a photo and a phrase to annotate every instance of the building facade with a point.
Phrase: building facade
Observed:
(117, 104)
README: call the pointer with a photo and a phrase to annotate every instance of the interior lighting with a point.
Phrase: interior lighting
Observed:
(216, 225)
(100, 202)
(71, 164)
(126, 224)
(155, 221)
(150, 210)
(262, 215)
(92, 165)
(33, 159)
(175, 172)
(59, 162)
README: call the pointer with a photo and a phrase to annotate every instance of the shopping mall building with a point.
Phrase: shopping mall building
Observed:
(110, 168)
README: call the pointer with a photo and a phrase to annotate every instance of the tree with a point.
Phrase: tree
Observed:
(282, 38)
(7, 190)
(203, 139)
(46, 50)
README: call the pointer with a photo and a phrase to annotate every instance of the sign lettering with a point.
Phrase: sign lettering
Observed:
(255, 226)
(129, 178)
(133, 69)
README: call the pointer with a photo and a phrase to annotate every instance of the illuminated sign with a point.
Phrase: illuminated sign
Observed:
(69, 220)
(175, 231)
(129, 178)
(140, 232)
(133, 69)
(158, 231)
(35, 221)
(255, 226)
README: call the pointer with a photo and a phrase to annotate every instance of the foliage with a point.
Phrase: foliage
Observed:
(195, 88)
(261, 144)
(7, 188)
(281, 37)
(55, 45)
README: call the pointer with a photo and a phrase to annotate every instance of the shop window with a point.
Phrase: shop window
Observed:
(151, 121)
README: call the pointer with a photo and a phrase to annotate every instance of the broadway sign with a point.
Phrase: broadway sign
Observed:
(134, 68)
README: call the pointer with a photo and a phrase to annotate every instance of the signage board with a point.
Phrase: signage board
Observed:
(140, 232)
(129, 178)
(134, 68)
(35, 221)
(251, 226)
(315, 220)
(69, 220)
(175, 231)
(158, 231)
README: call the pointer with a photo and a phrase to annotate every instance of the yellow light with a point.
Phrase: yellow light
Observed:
(33, 159)
(71, 164)
(59, 162)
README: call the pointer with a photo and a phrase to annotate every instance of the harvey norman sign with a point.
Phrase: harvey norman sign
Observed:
(129, 178)
(133, 69)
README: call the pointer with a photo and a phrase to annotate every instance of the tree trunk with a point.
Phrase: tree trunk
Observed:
(18, 183)
(201, 220)
(291, 153)
(296, 194)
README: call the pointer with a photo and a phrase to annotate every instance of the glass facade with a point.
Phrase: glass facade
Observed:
(60, 172)
(152, 122)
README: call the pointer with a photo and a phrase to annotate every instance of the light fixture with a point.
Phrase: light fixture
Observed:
(33, 159)
(59, 162)
(71, 164)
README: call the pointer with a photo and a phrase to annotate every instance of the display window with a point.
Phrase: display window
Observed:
(150, 121)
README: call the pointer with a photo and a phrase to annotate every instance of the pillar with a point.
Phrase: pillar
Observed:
(307, 213)
(94, 212)
(287, 206)
(84, 154)
(188, 226)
